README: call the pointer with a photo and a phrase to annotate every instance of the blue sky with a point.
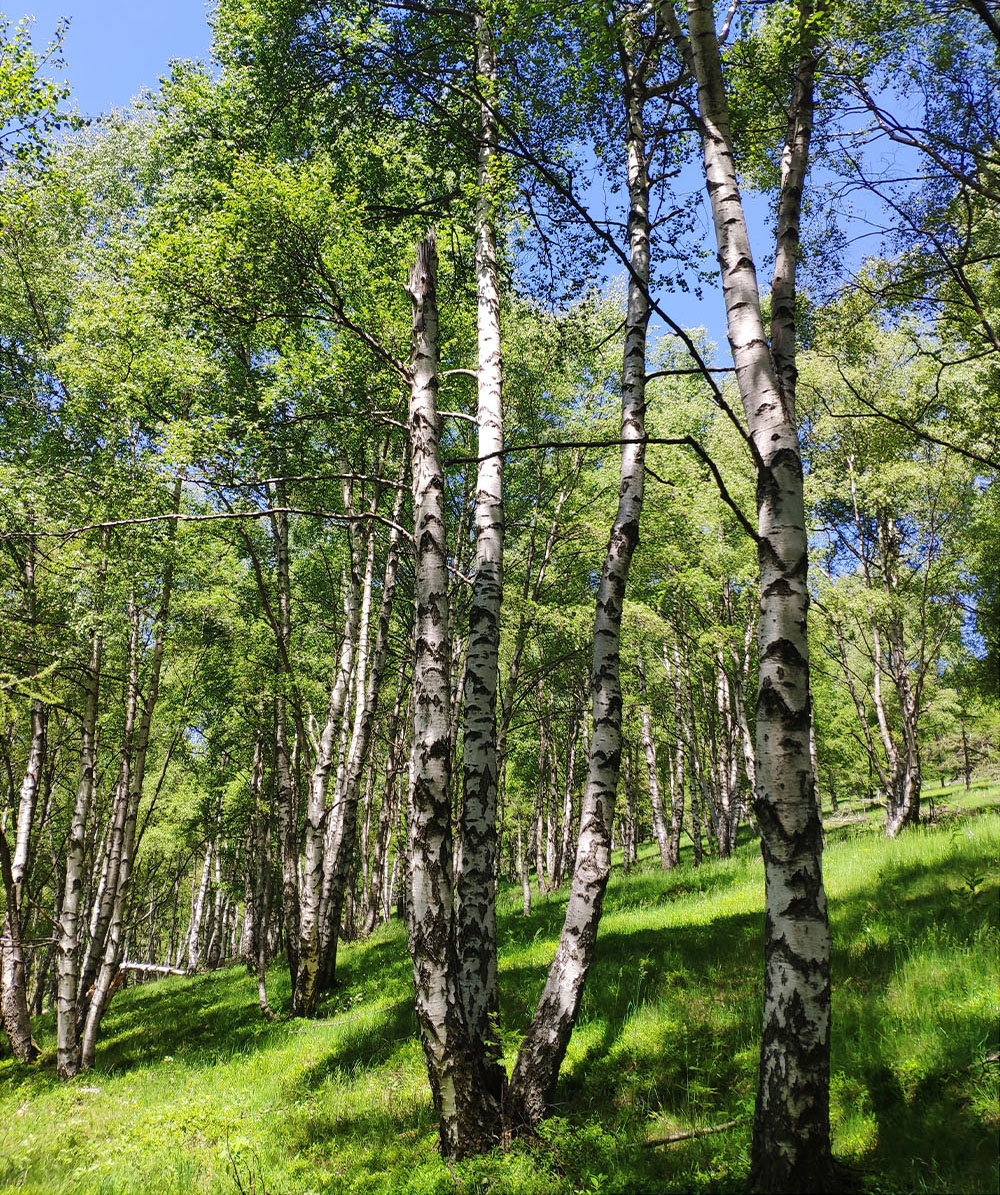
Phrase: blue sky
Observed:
(115, 48)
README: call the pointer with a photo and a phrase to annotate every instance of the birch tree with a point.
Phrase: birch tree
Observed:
(541, 1053)
(477, 875)
(791, 1144)
(455, 1065)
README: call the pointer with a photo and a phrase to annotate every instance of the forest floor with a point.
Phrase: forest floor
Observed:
(194, 1092)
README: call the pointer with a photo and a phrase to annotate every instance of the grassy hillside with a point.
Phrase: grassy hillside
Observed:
(193, 1092)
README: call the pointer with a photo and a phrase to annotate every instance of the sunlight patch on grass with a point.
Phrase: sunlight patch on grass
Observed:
(191, 1081)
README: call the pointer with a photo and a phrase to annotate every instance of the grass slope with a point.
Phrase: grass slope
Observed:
(193, 1092)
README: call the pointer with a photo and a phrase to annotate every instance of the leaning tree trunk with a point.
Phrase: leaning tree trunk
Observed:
(536, 1070)
(461, 1100)
(791, 1140)
(114, 946)
(108, 886)
(67, 1046)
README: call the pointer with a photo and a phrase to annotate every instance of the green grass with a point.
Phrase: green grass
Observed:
(192, 1086)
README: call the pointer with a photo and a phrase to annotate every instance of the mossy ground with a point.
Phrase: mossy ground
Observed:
(194, 1092)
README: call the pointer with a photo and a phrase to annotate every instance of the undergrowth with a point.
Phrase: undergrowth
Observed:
(194, 1092)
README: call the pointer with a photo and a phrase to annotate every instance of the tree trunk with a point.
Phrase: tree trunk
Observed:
(904, 798)
(216, 936)
(134, 777)
(287, 790)
(678, 780)
(67, 1047)
(566, 824)
(263, 899)
(477, 873)
(108, 886)
(198, 913)
(14, 997)
(467, 1123)
(368, 682)
(652, 772)
(389, 811)
(791, 1143)
(536, 1070)
(307, 976)
(522, 868)
(628, 821)
(13, 975)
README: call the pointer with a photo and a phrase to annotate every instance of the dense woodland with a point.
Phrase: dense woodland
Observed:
(378, 531)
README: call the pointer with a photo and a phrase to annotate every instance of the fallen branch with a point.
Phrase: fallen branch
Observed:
(687, 1136)
(159, 968)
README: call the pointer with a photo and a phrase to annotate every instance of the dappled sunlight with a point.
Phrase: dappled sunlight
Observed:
(190, 1075)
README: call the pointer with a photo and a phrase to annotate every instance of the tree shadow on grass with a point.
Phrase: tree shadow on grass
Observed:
(215, 1017)
(698, 989)
(363, 1044)
(374, 959)
(383, 1138)
(669, 1027)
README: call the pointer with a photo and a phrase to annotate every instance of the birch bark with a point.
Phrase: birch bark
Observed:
(536, 1070)
(791, 1142)
(67, 1045)
(304, 993)
(108, 886)
(198, 912)
(368, 681)
(13, 976)
(477, 873)
(14, 998)
(653, 773)
(457, 1079)
(136, 774)
(566, 823)
(389, 811)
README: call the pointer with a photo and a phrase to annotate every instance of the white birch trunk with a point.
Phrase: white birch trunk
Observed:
(114, 947)
(367, 682)
(13, 978)
(653, 773)
(477, 946)
(536, 1070)
(791, 1144)
(304, 994)
(456, 1073)
(67, 1046)
(198, 913)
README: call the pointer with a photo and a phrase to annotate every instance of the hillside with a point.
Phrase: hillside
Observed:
(194, 1092)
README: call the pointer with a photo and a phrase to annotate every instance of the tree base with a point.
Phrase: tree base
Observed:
(818, 1177)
